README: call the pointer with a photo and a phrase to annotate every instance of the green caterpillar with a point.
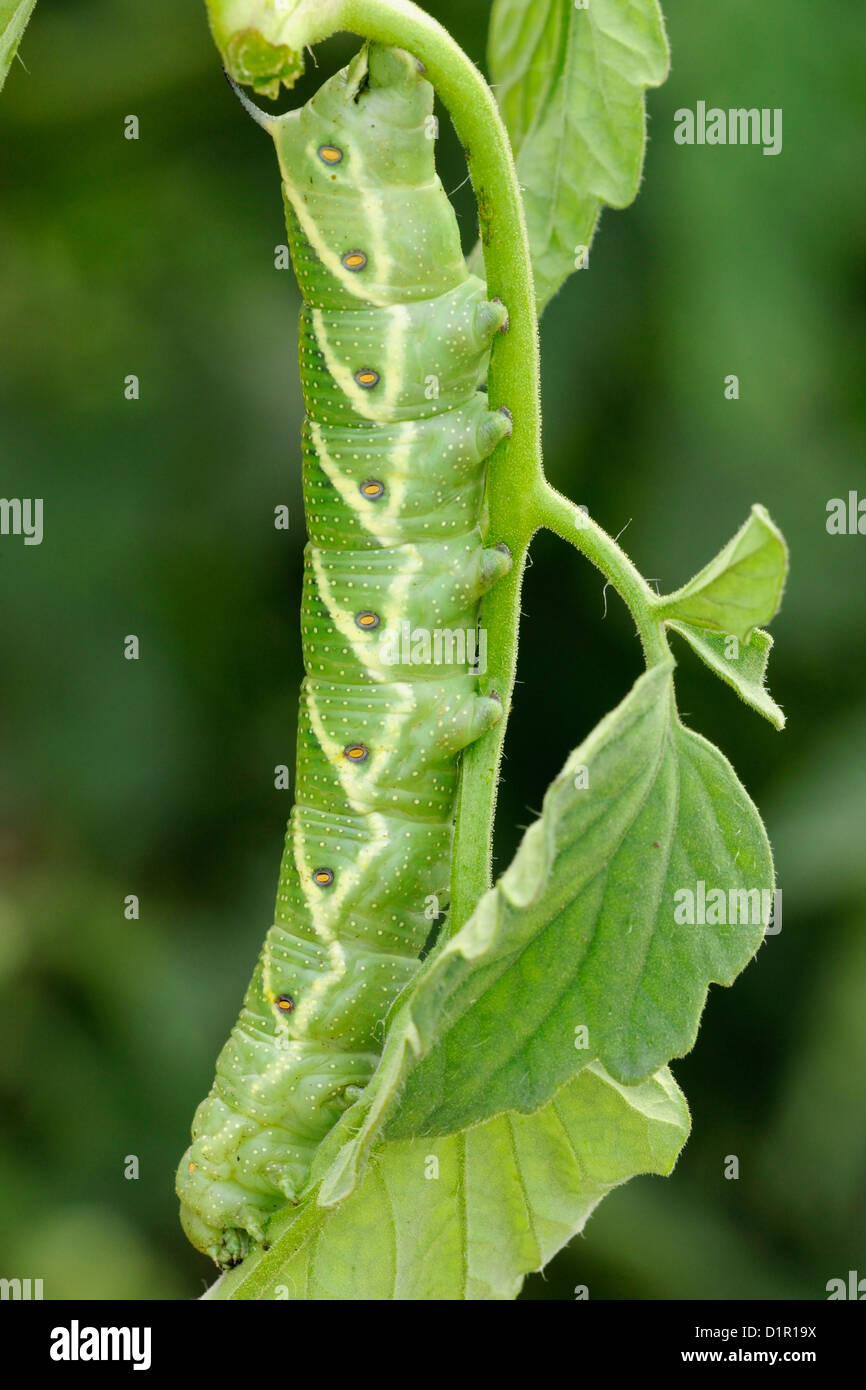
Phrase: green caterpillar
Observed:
(394, 338)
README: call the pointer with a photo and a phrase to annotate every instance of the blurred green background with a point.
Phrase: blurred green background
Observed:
(155, 777)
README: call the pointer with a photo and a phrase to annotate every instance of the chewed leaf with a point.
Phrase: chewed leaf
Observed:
(265, 67)
(262, 44)
(570, 82)
(468, 1215)
(742, 664)
(740, 589)
(14, 15)
(647, 877)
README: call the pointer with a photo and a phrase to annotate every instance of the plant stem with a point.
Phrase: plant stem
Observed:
(556, 513)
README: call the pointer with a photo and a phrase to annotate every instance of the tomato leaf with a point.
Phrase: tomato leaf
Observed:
(570, 84)
(14, 16)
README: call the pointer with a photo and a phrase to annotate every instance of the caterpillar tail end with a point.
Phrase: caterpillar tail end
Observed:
(262, 118)
(392, 67)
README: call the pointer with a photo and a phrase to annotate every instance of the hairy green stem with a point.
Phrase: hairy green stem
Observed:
(556, 513)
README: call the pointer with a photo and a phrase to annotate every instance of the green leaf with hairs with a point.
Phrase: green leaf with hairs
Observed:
(570, 84)
(14, 16)
(742, 665)
(468, 1215)
(584, 946)
(741, 588)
